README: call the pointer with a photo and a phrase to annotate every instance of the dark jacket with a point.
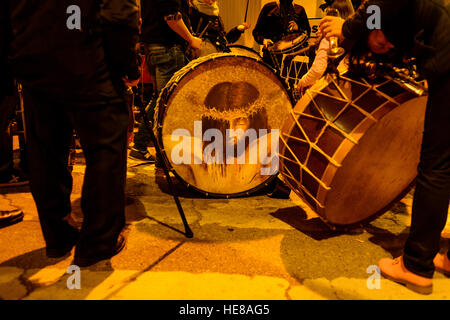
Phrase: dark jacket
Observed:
(270, 24)
(154, 28)
(418, 28)
(216, 30)
(78, 66)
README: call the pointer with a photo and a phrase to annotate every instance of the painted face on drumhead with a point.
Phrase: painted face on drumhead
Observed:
(378, 43)
(240, 124)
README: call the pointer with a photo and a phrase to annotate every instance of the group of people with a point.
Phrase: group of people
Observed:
(75, 79)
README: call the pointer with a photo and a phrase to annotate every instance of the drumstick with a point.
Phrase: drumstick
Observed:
(204, 30)
(246, 11)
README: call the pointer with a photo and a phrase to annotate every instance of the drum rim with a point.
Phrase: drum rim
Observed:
(298, 46)
(244, 47)
(159, 127)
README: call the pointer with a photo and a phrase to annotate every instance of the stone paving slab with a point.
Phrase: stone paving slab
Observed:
(248, 248)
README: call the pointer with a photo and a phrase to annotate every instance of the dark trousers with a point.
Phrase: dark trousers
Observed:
(103, 136)
(166, 61)
(7, 112)
(431, 198)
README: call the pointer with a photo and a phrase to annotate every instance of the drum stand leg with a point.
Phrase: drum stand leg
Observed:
(188, 232)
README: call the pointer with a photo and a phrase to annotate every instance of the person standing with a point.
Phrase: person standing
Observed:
(417, 28)
(165, 35)
(74, 63)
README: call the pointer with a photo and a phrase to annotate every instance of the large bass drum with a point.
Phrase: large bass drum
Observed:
(202, 103)
(351, 146)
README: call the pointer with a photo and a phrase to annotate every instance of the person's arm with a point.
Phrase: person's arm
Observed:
(234, 34)
(178, 26)
(258, 32)
(356, 26)
(318, 67)
(120, 26)
(302, 21)
(171, 11)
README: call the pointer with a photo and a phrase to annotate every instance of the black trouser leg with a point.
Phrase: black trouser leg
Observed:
(49, 133)
(103, 137)
(6, 152)
(431, 198)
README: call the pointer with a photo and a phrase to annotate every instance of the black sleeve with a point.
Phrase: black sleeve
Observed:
(168, 7)
(120, 25)
(258, 31)
(302, 20)
(356, 26)
(233, 35)
(6, 79)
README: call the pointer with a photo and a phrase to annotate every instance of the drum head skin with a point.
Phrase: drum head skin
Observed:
(351, 147)
(199, 106)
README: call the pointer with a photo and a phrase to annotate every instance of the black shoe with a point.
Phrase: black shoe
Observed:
(61, 251)
(86, 262)
(141, 155)
(10, 217)
(15, 179)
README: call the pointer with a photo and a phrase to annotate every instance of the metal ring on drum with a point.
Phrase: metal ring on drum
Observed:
(290, 44)
(351, 146)
(243, 50)
(219, 93)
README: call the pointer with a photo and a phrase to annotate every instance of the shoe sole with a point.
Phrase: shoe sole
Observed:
(10, 221)
(443, 271)
(411, 286)
(14, 185)
(84, 263)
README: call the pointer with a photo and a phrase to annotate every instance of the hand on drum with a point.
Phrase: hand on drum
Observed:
(195, 43)
(332, 27)
(298, 88)
(267, 43)
(244, 26)
(293, 26)
(130, 83)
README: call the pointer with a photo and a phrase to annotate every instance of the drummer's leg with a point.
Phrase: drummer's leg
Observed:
(431, 198)
(166, 61)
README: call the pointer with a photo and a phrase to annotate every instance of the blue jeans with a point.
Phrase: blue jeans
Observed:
(166, 61)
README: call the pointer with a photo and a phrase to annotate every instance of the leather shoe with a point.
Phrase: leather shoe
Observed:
(10, 217)
(86, 262)
(66, 247)
(395, 270)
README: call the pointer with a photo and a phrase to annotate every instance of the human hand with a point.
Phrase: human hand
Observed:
(293, 26)
(332, 27)
(130, 83)
(267, 43)
(196, 43)
(244, 26)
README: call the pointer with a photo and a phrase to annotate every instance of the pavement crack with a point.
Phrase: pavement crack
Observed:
(26, 283)
(286, 292)
(139, 273)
